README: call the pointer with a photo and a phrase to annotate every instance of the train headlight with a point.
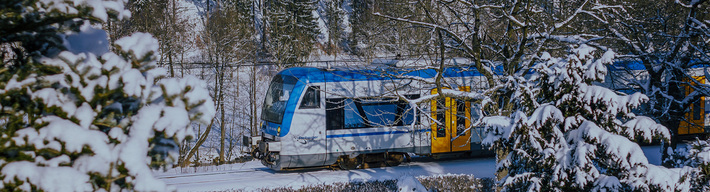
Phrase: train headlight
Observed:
(278, 131)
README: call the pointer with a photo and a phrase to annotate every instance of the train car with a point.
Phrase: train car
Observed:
(351, 118)
(624, 74)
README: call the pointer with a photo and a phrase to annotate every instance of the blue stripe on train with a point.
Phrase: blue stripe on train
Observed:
(373, 133)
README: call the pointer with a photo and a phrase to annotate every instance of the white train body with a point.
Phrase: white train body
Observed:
(314, 117)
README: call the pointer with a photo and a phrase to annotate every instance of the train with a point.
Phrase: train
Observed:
(351, 118)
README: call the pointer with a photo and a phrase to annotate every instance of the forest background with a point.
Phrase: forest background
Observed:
(236, 45)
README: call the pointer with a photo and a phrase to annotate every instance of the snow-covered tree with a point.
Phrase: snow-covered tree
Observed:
(568, 134)
(86, 122)
(697, 155)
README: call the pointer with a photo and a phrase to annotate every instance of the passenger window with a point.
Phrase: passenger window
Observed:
(381, 114)
(406, 112)
(334, 114)
(352, 116)
(364, 113)
(311, 99)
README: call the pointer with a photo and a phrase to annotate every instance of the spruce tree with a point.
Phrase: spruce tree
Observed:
(292, 30)
(334, 21)
(571, 135)
(85, 122)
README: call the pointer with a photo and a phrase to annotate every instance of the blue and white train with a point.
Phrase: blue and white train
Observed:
(351, 118)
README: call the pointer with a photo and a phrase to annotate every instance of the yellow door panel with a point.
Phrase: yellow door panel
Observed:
(461, 131)
(455, 116)
(440, 137)
(695, 119)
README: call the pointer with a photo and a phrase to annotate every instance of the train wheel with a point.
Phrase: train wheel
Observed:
(394, 159)
(346, 163)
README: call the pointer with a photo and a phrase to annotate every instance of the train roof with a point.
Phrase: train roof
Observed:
(338, 74)
(384, 72)
(631, 64)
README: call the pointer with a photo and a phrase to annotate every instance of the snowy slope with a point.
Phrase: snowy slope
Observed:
(192, 13)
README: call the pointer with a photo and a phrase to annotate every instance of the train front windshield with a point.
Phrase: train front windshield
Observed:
(276, 98)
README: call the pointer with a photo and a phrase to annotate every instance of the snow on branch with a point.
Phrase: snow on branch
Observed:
(574, 39)
(99, 8)
(627, 153)
(497, 127)
(546, 113)
(615, 103)
(563, 23)
(85, 116)
(647, 128)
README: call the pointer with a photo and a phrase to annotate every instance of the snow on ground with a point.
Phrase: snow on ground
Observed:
(191, 12)
(252, 175)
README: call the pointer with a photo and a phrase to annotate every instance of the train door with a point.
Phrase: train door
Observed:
(309, 128)
(462, 120)
(451, 134)
(695, 119)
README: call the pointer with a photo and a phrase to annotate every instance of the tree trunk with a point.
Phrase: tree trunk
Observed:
(203, 137)
(170, 63)
(253, 122)
(222, 128)
(674, 116)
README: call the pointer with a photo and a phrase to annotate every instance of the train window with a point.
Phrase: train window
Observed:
(365, 113)
(441, 117)
(476, 112)
(381, 114)
(311, 99)
(343, 114)
(334, 114)
(461, 116)
(352, 117)
(276, 98)
(407, 112)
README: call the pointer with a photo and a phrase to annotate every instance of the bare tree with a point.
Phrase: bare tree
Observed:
(503, 40)
(228, 41)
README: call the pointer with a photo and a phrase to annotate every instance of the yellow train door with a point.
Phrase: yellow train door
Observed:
(462, 121)
(695, 119)
(440, 124)
(452, 134)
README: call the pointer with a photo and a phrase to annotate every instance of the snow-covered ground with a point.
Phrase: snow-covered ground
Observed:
(252, 175)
